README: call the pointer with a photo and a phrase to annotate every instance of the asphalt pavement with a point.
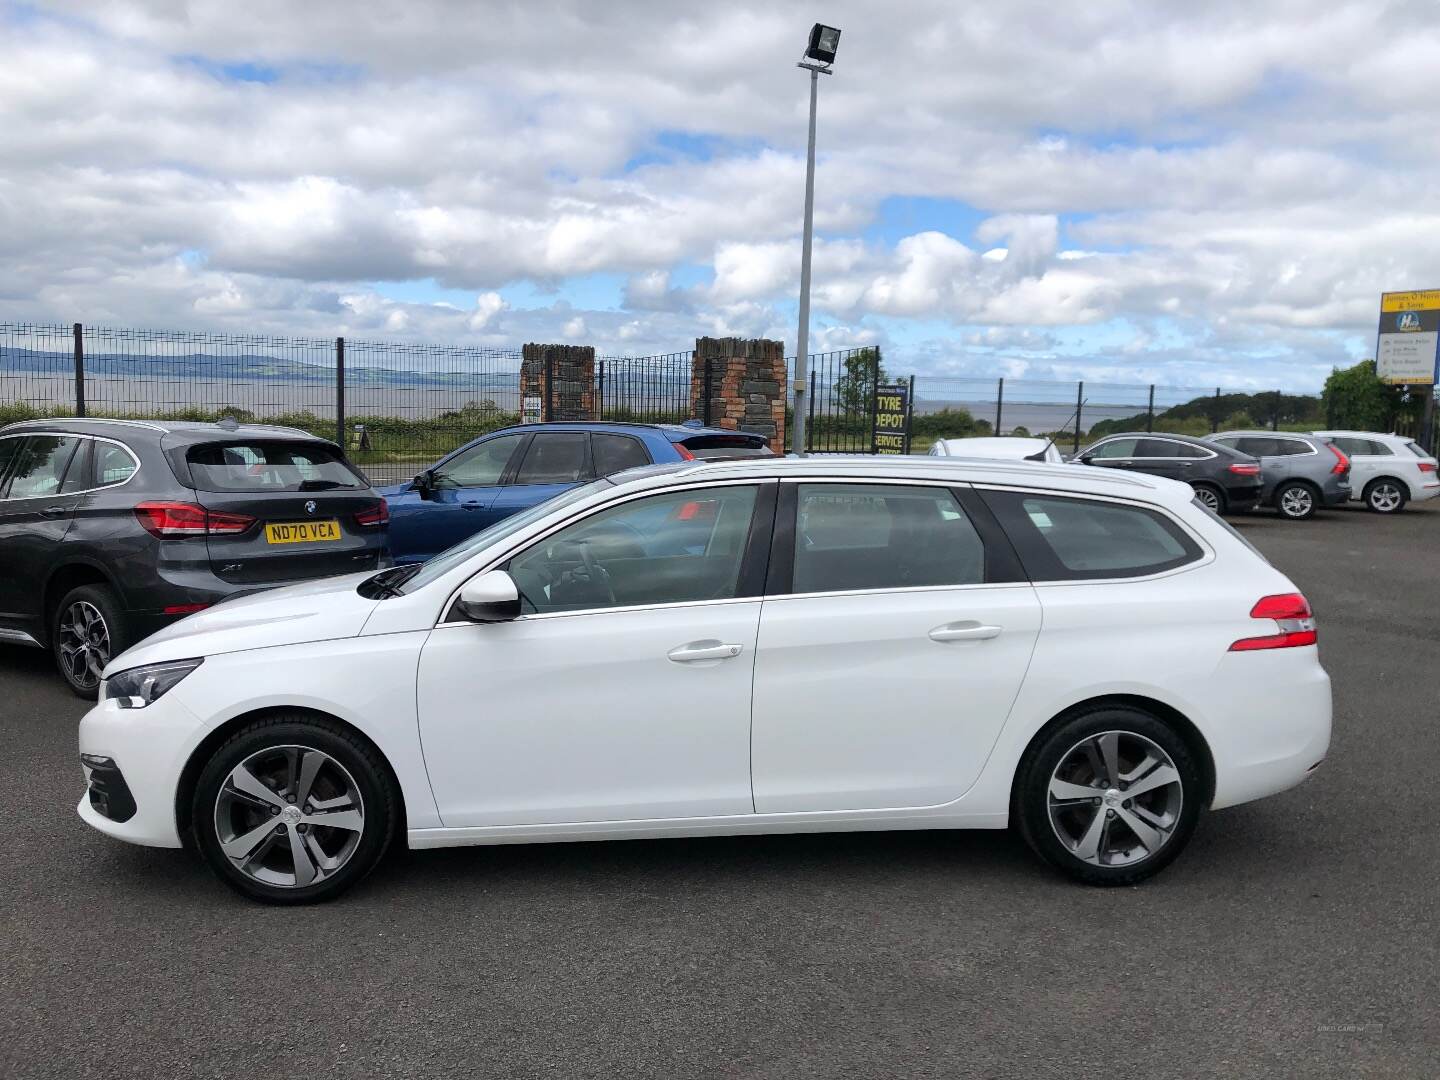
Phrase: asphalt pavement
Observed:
(1296, 937)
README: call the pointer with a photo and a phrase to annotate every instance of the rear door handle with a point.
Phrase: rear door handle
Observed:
(964, 631)
(54, 511)
(704, 650)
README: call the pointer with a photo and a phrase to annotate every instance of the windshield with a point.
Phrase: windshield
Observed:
(268, 465)
(472, 545)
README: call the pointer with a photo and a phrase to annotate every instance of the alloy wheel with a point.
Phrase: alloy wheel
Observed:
(84, 644)
(1297, 502)
(1115, 799)
(1385, 497)
(289, 816)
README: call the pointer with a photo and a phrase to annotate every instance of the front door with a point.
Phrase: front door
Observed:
(553, 462)
(457, 506)
(35, 514)
(623, 690)
(888, 664)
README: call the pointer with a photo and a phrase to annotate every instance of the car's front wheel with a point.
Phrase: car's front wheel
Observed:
(294, 809)
(1296, 501)
(1109, 797)
(1386, 496)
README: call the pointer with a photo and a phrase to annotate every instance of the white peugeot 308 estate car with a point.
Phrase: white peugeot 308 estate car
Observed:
(776, 645)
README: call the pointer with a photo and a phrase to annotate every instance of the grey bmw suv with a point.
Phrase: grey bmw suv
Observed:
(1300, 473)
(111, 529)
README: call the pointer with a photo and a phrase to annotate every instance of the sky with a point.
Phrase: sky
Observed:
(1156, 191)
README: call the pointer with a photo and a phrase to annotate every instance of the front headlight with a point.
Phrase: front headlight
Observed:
(137, 687)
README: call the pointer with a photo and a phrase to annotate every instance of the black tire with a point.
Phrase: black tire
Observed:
(81, 656)
(1296, 500)
(1031, 808)
(273, 738)
(1206, 492)
(1385, 495)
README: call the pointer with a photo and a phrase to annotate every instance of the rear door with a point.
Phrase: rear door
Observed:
(552, 462)
(35, 514)
(1169, 458)
(283, 510)
(892, 644)
(1366, 459)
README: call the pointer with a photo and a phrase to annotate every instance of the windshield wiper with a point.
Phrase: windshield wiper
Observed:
(322, 485)
(387, 583)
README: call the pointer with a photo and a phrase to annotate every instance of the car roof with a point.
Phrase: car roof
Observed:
(1062, 479)
(674, 432)
(1363, 434)
(1268, 434)
(1152, 435)
(1001, 442)
(187, 430)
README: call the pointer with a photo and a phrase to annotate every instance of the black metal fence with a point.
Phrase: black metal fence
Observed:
(644, 389)
(840, 403)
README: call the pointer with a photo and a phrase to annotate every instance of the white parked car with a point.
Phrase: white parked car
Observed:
(1387, 471)
(764, 646)
(1004, 447)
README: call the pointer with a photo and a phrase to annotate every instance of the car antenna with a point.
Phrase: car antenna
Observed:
(1039, 455)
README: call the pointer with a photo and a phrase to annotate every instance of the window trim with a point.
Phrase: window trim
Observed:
(1207, 553)
(753, 561)
(780, 583)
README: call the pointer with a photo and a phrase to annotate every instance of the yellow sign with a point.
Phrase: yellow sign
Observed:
(301, 532)
(1424, 300)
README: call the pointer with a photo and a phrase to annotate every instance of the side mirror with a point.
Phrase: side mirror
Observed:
(490, 597)
(425, 483)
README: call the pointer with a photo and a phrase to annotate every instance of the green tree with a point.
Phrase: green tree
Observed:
(855, 390)
(1355, 398)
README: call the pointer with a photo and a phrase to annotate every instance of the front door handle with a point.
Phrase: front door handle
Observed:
(54, 511)
(471, 505)
(964, 631)
(704, 650)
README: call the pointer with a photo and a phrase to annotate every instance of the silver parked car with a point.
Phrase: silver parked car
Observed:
(1301, 473)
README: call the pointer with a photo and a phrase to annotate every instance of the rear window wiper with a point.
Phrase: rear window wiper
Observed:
(323, 485)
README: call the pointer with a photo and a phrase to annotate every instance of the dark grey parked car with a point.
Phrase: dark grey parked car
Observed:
(1301, 473)
(1224, 479)
(111, 529)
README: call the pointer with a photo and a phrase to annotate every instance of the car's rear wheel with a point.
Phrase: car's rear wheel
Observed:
(1109, 797)
(1296, 500)
(1385, 496)
(86, 630)
(1211, 497)
(293, 810)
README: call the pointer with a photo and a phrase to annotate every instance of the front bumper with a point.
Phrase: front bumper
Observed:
(148, 749)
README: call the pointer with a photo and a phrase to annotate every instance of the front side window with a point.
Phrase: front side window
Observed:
(1115, 448)
(872, 536)
(40, 466)
(1069, 539)
(555, 458)
(480, 466)
(680, 547)
(265, 465)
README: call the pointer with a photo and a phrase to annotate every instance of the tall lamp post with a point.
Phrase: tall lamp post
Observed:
(820, 54)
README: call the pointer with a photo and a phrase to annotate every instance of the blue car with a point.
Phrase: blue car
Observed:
(512, 469)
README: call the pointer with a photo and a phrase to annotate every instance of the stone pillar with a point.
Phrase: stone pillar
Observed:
(571, 391)
(746, 385)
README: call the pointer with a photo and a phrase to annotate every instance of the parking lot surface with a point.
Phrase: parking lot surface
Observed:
(1297, 935)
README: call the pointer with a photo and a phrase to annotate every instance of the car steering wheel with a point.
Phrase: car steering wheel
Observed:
(595, 571)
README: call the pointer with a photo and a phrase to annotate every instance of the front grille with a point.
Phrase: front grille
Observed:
(109, 794)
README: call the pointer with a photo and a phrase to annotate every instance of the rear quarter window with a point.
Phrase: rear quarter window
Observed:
(1062, 538)
(264, 465)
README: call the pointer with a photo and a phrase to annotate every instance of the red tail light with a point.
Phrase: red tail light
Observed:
(1427, 466)
(1241, 469)
(185, 609)
(375, 516)
(1293, 619)
(172, 520)
(1342, 463)
(685, 454)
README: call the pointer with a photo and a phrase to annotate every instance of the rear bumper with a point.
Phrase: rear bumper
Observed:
(1246, 498)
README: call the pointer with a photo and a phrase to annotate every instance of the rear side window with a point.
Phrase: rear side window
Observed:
(1068, 539)
(555, 458)
(113, 464)
(1167, 448)
(868, 536)
(263, 465)
(614, 453)
(715, 447)
(39, 468)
